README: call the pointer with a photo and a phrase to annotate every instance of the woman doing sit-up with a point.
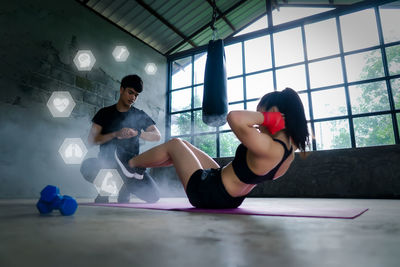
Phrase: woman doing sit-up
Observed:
(268, 136)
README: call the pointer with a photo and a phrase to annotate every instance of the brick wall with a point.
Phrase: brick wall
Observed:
(39, 40)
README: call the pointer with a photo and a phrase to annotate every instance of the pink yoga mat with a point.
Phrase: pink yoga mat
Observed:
(261, 209)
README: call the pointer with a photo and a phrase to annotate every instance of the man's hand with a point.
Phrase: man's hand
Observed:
(126, 133)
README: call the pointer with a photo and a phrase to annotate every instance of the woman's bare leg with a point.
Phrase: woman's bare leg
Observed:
(206, 161)
(183, 158)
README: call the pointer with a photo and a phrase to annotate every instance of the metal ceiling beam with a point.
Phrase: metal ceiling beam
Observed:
(93, 5)
(104, 7)
(223, 16)
(273, 4)
(269, 8)
(340, 10)
(116, 25)
(166, 23)
(117, 9)
(207, 25)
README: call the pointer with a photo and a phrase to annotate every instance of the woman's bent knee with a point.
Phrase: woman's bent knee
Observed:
(176, 141)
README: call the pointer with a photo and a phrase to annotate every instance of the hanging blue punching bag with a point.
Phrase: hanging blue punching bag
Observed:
(215, 102)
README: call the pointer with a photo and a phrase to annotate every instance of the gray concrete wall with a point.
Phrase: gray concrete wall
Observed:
(371, 172)
(38, 42)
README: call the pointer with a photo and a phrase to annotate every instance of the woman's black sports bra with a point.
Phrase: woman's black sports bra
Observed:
(243, 171)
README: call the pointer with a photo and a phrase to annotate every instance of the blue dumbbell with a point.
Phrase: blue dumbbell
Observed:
(51, 199)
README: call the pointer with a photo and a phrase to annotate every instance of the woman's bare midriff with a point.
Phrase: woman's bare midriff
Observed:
(237, 188)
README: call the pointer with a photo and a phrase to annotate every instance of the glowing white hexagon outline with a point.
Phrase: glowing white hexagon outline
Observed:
(61, 104)
(151, 68)
(78, 148)
(120, 56)
(100, 180)
(80, 59)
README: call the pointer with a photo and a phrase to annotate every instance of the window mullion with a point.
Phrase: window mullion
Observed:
(346, 86)
(387, 74)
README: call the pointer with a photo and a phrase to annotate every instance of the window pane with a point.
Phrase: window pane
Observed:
(230, 108)
(252, 105)
(390, 19)
(288, 47)
(359, 30)
(187, 138)
(235, 89)
(236, 107)
(332, 134)
(258, 85)
(228, 144)
(322, 39)
(369, 97)
(199, 67)
(293, 77)
(329, 103)
(396, 92)
(393, 59)
(286, 14)
(258, 54)
(255, 26)
(198, 96)
(181, 99)
(363, 66)
(199, 125)
(233, 55)
(373, 131)
(304, 100)
(182, 73)
(207, 143)
(325, 73)
(180, 123)
(398, 120)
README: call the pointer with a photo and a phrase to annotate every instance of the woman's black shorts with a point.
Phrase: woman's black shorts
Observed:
(206, 190)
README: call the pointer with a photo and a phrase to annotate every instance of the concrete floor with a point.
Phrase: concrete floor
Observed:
(102, 236)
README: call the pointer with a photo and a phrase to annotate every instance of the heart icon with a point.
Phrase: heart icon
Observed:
(61, 103)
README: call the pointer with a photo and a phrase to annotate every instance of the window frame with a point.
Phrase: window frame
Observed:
(270, 31)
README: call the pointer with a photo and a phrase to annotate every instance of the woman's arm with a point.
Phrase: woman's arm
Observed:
(245, 124)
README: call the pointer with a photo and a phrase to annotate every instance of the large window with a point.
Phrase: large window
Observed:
(345, 67)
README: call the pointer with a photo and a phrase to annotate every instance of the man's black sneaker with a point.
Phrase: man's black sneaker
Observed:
(101, 199)
(128, 171)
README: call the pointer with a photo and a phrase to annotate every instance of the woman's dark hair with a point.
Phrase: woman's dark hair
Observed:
(132, 81)
(289, 103)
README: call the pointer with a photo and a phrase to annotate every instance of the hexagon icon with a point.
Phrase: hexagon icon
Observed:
(61, 104)
(73, 150)
(84, 60)
(108, 182)
(120, 53)
(151, 68)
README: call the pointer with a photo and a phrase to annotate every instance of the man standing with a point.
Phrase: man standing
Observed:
(120, 126)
